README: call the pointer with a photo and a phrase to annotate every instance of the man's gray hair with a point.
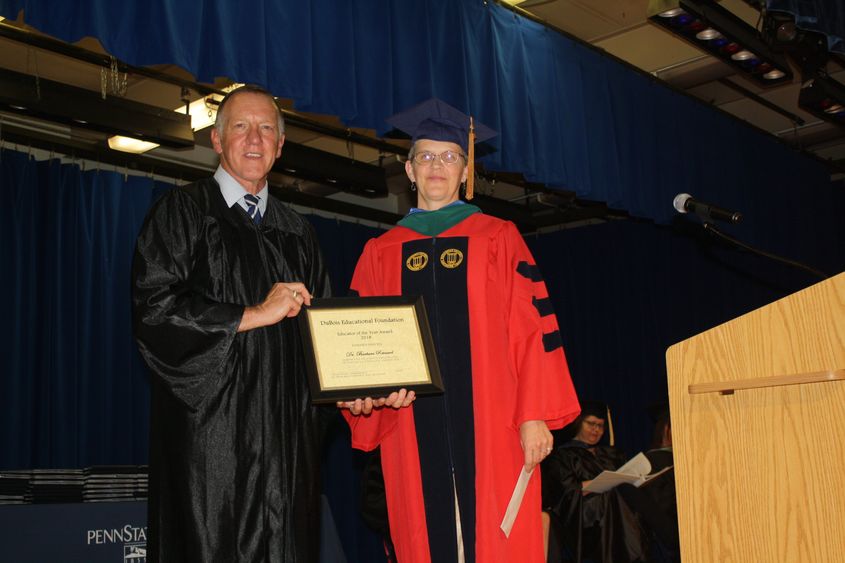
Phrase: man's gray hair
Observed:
(220, 120)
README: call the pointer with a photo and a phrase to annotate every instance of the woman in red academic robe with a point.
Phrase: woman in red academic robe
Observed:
(451, 461)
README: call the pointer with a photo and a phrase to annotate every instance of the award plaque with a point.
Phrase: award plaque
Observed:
(358, 347)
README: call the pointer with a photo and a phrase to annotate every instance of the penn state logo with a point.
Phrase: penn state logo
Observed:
(451, 258)
(135, 553)
(417, 261)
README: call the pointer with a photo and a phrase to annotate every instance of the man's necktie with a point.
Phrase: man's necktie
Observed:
(252, 208)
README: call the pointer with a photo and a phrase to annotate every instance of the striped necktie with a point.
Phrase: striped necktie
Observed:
(252, 208)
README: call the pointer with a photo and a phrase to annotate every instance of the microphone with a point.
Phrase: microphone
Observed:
(684, 203)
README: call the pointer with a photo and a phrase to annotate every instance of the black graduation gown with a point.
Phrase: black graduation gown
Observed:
(234, 440)
(611, 531)
(656, 503)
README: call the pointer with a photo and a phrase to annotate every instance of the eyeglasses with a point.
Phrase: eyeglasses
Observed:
(594, 425)
(446, 157)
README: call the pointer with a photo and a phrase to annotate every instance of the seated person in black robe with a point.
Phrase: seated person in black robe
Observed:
(603, 525)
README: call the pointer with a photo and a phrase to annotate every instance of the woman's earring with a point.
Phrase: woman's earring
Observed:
(413, 186)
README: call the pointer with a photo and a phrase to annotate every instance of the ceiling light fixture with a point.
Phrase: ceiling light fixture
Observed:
(707, 34)
(670, 13)
(130, 144)
(719, 32)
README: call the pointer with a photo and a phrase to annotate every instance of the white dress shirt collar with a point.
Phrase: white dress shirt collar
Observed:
(234, 193)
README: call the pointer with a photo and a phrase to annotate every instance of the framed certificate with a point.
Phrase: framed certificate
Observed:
(359, 347)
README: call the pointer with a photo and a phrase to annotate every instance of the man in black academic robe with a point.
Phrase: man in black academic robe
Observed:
(221, 267)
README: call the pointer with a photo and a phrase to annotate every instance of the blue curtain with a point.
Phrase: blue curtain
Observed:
(568, 116)
(73, 391)
(824, 16)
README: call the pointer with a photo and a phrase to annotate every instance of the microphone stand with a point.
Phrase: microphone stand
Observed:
(711, 228)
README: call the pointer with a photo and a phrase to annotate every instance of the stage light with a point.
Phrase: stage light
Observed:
(670, 13)
(807, 49)
(742, 55)
(712, 28)
(708, 34)
(779, 28)
(825, 98)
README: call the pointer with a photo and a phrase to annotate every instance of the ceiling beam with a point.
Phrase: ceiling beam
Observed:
(33, 96)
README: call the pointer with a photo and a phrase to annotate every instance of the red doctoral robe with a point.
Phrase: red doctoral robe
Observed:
(487, 303)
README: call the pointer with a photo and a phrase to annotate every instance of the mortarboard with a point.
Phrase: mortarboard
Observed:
(436, 120)
(594, 408)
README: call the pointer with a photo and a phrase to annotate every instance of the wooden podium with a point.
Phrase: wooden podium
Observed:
(758, 425)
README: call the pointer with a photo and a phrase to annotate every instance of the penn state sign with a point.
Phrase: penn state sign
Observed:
(96, 532)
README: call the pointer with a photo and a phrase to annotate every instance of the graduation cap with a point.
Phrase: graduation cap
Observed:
(594, 408)
(436, 120)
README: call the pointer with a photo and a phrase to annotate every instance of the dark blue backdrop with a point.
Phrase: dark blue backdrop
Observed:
(568, 116)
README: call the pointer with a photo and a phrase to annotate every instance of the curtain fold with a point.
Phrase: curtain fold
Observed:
(567, 115)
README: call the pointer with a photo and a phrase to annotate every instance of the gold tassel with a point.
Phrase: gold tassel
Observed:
(610, 428)
(470, 160)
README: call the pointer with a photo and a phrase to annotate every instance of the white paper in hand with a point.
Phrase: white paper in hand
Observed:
(516, 501)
